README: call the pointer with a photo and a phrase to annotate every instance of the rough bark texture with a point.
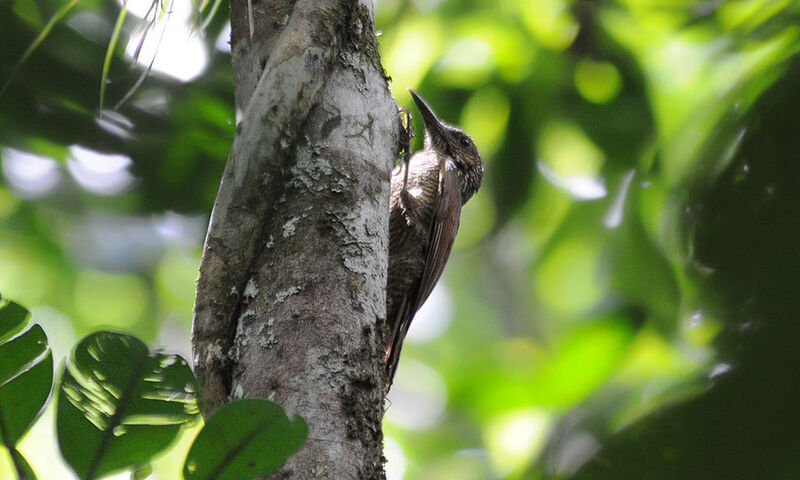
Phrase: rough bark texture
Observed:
(291, 296)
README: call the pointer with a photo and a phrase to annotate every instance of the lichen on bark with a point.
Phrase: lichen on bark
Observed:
(291, 296)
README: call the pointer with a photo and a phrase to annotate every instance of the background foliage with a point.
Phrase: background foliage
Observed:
(621, 301)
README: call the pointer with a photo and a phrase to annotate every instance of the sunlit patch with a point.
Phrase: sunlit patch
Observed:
(485, 117)
(223, 41)
(418, 396)
(515, 439)
(427, 5)
(582, 187)
(91, 25)
(572, 453)
(652, 357)
(175, 278)
(613, 217)
(550, 21)
(140, 8)
(41, 443)
(131, 243)
(569, 160)
(568, 279)
(100, 173)
(699, 328)
(60, 334)
(477, 219)
(114, 123)
(433, 318)
(109, 300)
(30, 175)
(581, 363)
(385, 11)
(180, 230)
(466, 63)
(512, 52)
(395, 460)
(409, 56)
(465, 464)
(597, 82)
(719, 369)
(171, 45)
(154, 101)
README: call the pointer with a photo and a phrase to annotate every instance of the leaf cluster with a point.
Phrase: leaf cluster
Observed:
(120, 404)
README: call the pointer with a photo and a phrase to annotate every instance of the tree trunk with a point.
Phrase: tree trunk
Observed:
(291, 295)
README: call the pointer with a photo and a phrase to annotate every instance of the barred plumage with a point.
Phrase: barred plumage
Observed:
(424, 215)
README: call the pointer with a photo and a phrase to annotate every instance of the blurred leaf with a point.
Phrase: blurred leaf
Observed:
(477, 219)
(119, 404)
(413, 48)
(109, 300)
(518, 437)
(112, 45)
(142, 472)
(485, 117)
(642, 276)
(582, 362)
(204, 22)
(244, 440)
(512, 52)
(550, 21)
(566, 149)
(26, 373)
(568, 280)
(598, 82)
(38, 40)
(29, 12)
(467, 63)
(13, 318)
(175, 276)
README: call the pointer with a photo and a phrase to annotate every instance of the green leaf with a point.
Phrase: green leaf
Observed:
(582, 362)
(204, 22)
(21, 465)
(245, 439)
(38, 40)
(119, 404)
(112, 45)
(13, 318)
(28, 12)
(26, 373)
(142, 472)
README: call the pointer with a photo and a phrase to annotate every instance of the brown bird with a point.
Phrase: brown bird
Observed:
(424, 213)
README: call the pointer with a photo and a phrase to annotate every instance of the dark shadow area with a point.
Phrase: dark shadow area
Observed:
(746, 233)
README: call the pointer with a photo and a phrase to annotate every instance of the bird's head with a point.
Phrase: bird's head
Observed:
(449, 140)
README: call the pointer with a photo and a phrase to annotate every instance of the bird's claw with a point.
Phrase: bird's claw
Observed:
(407, 133)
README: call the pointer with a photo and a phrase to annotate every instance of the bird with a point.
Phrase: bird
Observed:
(428, 190)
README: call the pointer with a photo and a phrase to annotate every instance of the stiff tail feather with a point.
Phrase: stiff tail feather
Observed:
(399, 329)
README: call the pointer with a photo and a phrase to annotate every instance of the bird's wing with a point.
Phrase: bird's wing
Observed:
(443, 229)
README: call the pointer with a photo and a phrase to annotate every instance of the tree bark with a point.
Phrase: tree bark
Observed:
(291, 295)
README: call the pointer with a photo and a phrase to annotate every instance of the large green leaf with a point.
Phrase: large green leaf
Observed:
(245, 439)
(26, 373)
(22, 467)
(119, 404)
(13, 318)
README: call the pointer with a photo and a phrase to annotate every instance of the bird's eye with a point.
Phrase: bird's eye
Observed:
(465, 142)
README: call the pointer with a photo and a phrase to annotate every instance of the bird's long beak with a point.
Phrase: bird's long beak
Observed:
(433, 125)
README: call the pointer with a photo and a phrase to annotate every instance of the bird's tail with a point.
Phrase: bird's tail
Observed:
(395, 344)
